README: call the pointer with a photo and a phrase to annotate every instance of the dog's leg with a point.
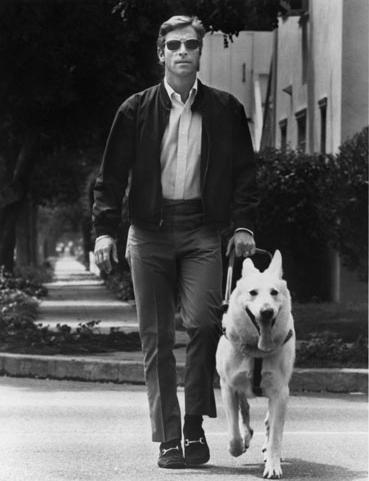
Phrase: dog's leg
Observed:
(231, 406)
(277, 414)
(245, 416)
(267, 429)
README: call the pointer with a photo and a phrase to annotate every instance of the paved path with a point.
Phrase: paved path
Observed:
(72, 431)
(77, 296)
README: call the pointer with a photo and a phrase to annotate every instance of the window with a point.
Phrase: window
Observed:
(301, 130)
(323, 124)
(283, 132)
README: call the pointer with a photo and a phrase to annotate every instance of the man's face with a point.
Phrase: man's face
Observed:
(184, 61)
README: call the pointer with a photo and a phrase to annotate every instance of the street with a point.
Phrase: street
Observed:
(79, 431)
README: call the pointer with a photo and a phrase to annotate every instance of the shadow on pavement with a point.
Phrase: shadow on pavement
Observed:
(293, 469)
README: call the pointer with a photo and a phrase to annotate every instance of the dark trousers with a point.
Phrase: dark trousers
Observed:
(180, 263)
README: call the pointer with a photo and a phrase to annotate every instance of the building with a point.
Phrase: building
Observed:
(304, 86)
(242, 69)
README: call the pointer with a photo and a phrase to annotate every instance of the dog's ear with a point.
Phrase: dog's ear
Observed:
(248, 267)
(275, 266)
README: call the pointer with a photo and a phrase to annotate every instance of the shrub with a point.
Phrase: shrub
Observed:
(289, 218)
(327, 349)
(311, 204)
(346, 203)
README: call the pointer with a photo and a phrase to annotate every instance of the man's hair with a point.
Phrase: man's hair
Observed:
(180, 21)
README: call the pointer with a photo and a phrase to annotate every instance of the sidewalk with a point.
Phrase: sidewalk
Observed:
(77, 296)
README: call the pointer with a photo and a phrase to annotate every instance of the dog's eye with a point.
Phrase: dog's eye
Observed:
(253, 292)
(274, 292)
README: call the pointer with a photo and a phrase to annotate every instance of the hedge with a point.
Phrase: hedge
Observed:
(311, 204)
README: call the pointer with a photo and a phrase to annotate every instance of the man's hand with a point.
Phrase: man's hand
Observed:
(105, 251)
(243, 243)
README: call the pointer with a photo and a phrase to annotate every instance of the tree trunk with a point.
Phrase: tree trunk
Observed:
(14, 184)
(8, 216)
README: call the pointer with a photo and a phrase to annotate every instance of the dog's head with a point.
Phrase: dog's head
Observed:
(265, 299)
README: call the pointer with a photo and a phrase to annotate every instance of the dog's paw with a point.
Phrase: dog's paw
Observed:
(272, 470)
(237, 447)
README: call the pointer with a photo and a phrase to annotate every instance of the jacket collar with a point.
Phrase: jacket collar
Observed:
(197, 104)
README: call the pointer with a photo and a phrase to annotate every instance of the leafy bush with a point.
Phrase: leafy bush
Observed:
(346, 203)
(311, 204)
(120, 282)
(31, 285)
(19, 331)
(327, 349)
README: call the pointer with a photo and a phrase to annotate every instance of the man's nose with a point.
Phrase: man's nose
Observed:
(182, 49)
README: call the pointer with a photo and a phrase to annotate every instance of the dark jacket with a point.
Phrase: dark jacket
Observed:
(228, 187)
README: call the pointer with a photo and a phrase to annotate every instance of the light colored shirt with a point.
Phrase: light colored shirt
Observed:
(181, 148)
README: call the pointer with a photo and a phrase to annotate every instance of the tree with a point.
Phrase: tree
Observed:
(65, 67)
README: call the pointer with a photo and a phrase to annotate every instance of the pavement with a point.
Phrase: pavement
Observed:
(80, 431)
(77, 296)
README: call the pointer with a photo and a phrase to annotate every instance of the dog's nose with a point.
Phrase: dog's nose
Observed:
(266, 314)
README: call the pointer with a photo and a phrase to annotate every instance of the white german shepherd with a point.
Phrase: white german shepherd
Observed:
(258, 323)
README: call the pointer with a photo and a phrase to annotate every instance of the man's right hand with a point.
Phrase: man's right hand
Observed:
(105, 252)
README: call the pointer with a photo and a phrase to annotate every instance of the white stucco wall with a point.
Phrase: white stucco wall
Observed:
(355, 67)
(326, 20)
(223, 68)
(289, 73)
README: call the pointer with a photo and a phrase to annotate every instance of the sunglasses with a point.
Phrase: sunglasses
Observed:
(191, 44)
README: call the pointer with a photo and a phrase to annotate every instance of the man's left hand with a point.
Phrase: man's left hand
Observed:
(243, 243)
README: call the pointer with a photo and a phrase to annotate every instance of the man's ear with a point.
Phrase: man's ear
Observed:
(160, 52)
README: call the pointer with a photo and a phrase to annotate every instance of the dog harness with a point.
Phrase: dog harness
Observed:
(258, 361)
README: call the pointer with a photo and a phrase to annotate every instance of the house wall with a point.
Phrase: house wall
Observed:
(326, 60)
(309, 61)
(355, 55)
(289, 75)
(241, 69)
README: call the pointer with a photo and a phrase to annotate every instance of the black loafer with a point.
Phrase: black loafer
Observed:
(196, 450)
(171, 458)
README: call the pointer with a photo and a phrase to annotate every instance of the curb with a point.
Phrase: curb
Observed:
(122, 371)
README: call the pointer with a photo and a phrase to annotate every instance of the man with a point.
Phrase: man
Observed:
(188, 150)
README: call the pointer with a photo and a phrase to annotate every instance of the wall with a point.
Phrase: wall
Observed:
(241, 69)
(289, 74)
(326, 59)
(355, 67)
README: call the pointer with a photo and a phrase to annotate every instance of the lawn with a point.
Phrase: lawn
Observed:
(349, 321)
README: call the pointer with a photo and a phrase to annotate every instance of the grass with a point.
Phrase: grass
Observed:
(348, 321)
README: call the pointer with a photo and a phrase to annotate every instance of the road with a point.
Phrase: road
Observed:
(74, 431)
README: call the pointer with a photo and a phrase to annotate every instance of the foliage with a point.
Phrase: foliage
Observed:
(310, 203)
(347, 203)
(19, 331)
(228, 16)
(327, 349)
(25, 282)
(120, 282)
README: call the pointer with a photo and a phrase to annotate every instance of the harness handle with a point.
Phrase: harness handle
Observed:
(228, 288)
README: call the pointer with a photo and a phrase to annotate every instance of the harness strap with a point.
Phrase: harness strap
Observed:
(258, 366)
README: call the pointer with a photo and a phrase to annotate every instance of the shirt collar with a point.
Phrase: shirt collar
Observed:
(172, 92)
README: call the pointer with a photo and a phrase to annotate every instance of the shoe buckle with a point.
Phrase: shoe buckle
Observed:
(165, 451)
(195, 441)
